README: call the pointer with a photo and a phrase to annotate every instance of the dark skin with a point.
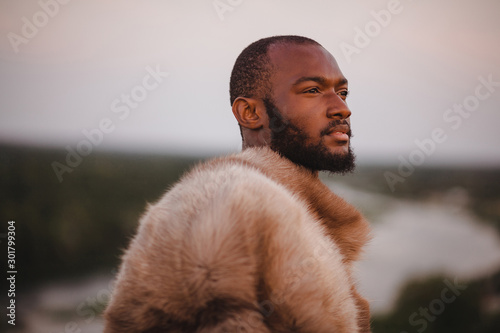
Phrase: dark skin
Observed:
(310, 91)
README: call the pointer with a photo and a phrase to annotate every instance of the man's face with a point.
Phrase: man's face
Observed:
(308, 116)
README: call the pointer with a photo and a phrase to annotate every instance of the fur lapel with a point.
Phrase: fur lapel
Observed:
(344, 223)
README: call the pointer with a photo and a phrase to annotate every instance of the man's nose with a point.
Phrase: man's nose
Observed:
(337, 108)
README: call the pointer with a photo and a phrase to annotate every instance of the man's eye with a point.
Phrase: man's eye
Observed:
(344, 94)
(312, 91)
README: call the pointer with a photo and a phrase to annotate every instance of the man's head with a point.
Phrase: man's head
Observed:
(288, 93)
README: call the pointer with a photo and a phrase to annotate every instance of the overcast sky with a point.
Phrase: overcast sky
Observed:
(66, 68)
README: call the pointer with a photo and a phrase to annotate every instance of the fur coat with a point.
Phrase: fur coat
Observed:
(246, 243)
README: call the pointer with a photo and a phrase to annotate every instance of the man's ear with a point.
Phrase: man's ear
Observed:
(249, 112)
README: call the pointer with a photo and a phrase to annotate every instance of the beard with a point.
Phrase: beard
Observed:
(291, 142)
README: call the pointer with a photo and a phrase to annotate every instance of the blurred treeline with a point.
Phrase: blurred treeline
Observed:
(430, 305)
(82, 224)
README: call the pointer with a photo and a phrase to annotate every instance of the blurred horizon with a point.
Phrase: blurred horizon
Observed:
(361, 161)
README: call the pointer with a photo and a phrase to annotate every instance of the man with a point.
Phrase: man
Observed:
(255, 242)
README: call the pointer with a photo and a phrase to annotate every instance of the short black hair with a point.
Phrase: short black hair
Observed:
(252, 70)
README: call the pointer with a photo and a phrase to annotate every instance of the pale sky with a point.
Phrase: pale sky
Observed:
(70, 73)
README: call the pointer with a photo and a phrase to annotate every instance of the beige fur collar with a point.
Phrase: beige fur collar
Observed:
(344, 223)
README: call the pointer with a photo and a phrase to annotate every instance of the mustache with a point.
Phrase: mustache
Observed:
(335, 123)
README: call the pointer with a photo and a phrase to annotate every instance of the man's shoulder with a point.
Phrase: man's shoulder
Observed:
(222, 180)
(232, 170)
(251, 160)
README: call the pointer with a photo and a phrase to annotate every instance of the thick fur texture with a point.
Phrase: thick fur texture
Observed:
(246, 243)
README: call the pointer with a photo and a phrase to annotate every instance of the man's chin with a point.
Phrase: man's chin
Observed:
(340, 150)
(321, 158)
(340, 163)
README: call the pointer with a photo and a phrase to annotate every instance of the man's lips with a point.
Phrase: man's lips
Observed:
(339, 132)
(339, 136)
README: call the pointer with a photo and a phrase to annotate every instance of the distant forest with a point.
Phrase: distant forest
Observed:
(83, 223)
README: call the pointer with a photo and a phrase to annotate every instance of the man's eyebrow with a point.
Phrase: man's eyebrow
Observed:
(320, 80)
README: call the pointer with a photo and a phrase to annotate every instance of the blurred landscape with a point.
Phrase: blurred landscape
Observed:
(70, 235)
